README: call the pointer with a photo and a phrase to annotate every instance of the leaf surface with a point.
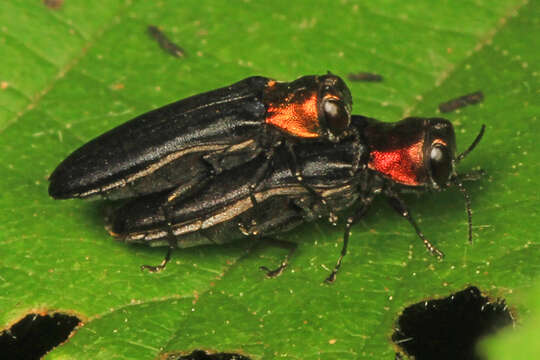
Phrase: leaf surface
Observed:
(68, 75)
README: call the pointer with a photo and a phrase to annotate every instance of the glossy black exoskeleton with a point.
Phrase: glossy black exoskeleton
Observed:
(181, 146)
(414, 154)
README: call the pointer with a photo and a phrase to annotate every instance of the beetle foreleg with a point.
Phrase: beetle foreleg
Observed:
(350, 222)
(402, 209)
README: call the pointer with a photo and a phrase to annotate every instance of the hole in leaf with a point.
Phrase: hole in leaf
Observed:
(203, 355)
(35, 335)
(449, 328)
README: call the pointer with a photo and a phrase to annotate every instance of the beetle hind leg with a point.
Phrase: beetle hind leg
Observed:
(171, 240)
(291, 246)
(161, 266)
(273, 217)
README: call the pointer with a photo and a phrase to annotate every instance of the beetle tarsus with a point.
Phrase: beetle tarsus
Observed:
(283, 244)
(276, 272)
(171, 239)
(160, 267)
(331, 278)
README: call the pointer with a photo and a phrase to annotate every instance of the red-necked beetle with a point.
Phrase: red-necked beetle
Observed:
(413, 155)
(179, 147)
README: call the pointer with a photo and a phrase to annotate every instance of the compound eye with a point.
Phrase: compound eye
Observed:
(440, 164)
(336, 115)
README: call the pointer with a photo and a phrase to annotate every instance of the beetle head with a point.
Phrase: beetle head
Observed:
(416, 152)
(419, 153)
(335, 102)
(312, 106)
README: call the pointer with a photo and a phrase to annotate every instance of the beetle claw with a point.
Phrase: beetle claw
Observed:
(276, 272)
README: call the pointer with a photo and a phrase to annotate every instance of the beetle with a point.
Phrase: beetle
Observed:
(412, 155)
(229, 208)
(181, 146)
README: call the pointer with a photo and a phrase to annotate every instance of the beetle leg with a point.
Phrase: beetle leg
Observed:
(161, 266)
(402, 209)
(232, 156)
(239, 154)
(261, 174)
(291, 246)
(176, 193)
(332, 218)
(275, 217)
(358, 151)
(360, 211)
(171, 239)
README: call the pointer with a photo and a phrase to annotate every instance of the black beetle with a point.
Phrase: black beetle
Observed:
(412, 155)
(181, 146)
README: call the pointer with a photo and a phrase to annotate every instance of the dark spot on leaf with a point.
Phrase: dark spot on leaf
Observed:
(462, 101)
(365, 76)
(203, 355)
(449, 328)
(53, 4)
(164, 42)
(35, 335)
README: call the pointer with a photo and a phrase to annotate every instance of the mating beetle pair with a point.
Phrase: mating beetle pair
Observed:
(256, 158)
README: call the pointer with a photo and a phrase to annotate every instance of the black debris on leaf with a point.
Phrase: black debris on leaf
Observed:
(164, 42)
(462, 101)
(365, 76)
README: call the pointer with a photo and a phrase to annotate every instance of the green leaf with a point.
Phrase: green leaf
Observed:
(519, 342)
(69, 74)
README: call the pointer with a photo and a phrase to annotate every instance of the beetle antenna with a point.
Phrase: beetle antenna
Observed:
(473, 145)
(461, 188)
